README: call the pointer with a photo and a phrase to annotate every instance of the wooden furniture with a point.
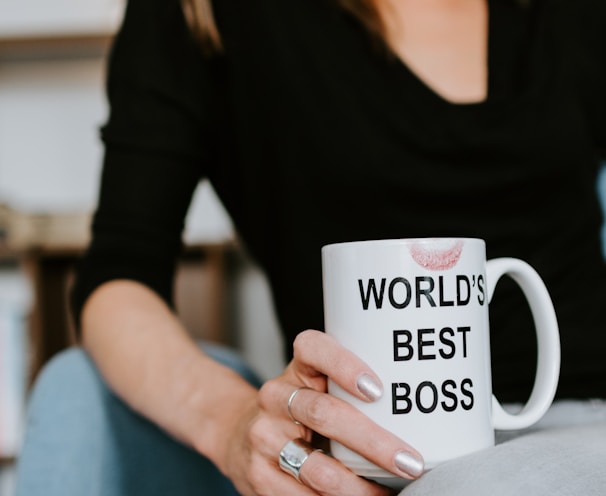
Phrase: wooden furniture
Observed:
(23, 48)
(200, 288)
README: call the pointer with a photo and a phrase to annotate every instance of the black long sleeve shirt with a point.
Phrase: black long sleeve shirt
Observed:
(310, 135)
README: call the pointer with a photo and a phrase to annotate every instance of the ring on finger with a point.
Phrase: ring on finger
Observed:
(294, 454)
(291, 399)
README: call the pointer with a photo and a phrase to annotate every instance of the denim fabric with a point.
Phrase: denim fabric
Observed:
(82, 440)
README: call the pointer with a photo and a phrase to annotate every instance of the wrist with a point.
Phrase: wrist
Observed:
(224, 407)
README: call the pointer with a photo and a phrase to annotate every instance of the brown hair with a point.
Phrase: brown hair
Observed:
(199, 16)
(366, 12)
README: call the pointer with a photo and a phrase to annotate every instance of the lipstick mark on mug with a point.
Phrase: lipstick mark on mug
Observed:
(441, 255)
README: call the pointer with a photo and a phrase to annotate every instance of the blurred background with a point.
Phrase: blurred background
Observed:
(52, 103)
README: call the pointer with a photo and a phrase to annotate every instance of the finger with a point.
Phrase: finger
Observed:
(327, 476)
(267, 437)
(320, 472)
(266, 478)
(269, 434)
(272, 398)
(334, 418)
(315, 352)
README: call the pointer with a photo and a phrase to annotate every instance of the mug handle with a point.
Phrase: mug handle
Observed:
(548, 342)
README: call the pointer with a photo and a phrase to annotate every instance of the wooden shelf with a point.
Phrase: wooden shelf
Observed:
(54, 46)
(200, 294)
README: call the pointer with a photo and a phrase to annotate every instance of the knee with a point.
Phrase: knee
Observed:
(68, 382)
(66, 364)
(554, 461)
(67, 427)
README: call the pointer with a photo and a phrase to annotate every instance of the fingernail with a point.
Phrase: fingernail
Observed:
(369, 387)
(409, 463)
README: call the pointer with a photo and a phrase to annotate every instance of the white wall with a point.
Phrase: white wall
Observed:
(257, 326)
(22, 18)
(50, 112)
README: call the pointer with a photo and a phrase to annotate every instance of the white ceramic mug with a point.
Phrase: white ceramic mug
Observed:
(416, 311)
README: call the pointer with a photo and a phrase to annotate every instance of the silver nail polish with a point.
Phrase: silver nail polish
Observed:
(369, 387)
(409, 463)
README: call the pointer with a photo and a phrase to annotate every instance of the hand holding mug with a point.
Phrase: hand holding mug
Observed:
(280, 458)
(416, 311)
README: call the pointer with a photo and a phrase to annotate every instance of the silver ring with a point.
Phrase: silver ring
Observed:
(294, 454)
(291, 399)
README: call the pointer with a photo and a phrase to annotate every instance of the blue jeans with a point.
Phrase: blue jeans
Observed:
(82, 440)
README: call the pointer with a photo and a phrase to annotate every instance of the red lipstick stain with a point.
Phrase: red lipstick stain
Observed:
(441, 257)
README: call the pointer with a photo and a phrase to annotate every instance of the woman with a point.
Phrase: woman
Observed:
(320, 121)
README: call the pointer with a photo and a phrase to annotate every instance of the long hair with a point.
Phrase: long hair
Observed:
(199, 15)
(366, 12)
(201, 21)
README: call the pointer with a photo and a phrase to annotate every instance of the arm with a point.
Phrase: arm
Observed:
(159, 90)
(148, 359)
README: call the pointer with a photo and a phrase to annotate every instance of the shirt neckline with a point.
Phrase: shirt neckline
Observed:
(433, 96)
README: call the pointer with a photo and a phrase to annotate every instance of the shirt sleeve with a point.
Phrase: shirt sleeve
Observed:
(158, 144)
